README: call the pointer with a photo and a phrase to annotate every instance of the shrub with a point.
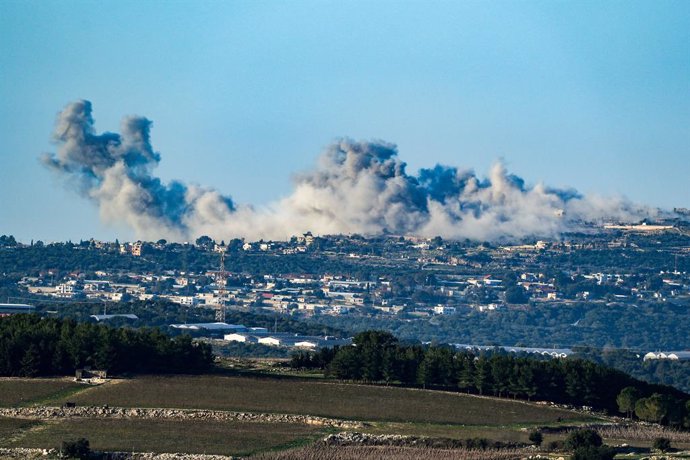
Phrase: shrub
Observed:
(583, 438)
(76, 449)
(477, 443)
(556, 445)
(594, 453)
(662, 444)
(536, 437)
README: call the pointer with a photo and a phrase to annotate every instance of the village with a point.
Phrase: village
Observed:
(407, 278)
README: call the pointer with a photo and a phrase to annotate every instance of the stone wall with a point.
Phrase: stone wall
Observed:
(174, 414)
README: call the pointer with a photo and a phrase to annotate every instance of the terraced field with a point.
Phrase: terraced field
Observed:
(384, 411)
(328, 399)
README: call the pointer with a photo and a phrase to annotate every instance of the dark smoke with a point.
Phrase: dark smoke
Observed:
(356, 187)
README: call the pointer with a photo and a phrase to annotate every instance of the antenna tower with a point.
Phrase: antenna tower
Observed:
(221, 279)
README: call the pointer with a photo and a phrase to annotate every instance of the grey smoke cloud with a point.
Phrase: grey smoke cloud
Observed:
(356, 187)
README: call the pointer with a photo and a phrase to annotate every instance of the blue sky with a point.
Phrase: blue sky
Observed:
(243, 95)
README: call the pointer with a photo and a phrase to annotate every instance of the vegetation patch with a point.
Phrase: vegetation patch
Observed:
(323, 452)
(22, 392)
(327, 399)
(198, 436)
(12, 426)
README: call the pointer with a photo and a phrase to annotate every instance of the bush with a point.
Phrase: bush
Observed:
(477, 443)
(662, 444)
(583, 438)
(536, 437)
(554, 446)
(76, 449)
(594, 453)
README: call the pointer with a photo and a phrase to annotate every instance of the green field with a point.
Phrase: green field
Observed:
(23, 392)
(388, 410)
(10, 427)
(357, 402)
(207, 436)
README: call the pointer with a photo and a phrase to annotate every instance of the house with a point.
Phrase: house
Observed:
(444, 310)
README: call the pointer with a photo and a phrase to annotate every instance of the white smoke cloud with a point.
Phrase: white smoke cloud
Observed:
(356, 187)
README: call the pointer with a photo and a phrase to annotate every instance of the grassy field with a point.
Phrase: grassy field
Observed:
(357, 402)
(10, 427)
(23, 392)
(390, 410)
(211, 437)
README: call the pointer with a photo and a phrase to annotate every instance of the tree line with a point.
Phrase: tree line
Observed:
(378, 356)
(649, 326)
(34, 346)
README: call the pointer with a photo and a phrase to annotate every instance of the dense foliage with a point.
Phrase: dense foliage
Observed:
(32, 346)
(652, 326)
(377, 356)
(67, 257)
(662, 371)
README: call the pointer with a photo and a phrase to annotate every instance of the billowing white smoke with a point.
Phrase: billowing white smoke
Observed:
(357, 187)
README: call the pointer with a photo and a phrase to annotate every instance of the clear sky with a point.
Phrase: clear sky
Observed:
(591, 95)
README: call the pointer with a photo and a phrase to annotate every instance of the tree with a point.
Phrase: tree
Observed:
(370, 348)
(482, 375)
(516, 295)
(76, 449)
(437, 368)
(345, 364)
(594, 453)
(654, 282)
(662, 444)
(653, 409)
(7, 241)
(626, 400)
(31, 362)
(536, 437)
(583, 438)
(466, 372)
(205, 242)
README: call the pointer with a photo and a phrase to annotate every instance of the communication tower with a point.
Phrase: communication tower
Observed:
(221, 279)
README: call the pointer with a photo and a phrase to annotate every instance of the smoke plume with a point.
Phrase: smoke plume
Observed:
(356, 187)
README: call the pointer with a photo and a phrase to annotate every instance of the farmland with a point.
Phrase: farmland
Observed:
(16, 391)
(295, 396)
(210, 437)
(386, 411)
(9, 426)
